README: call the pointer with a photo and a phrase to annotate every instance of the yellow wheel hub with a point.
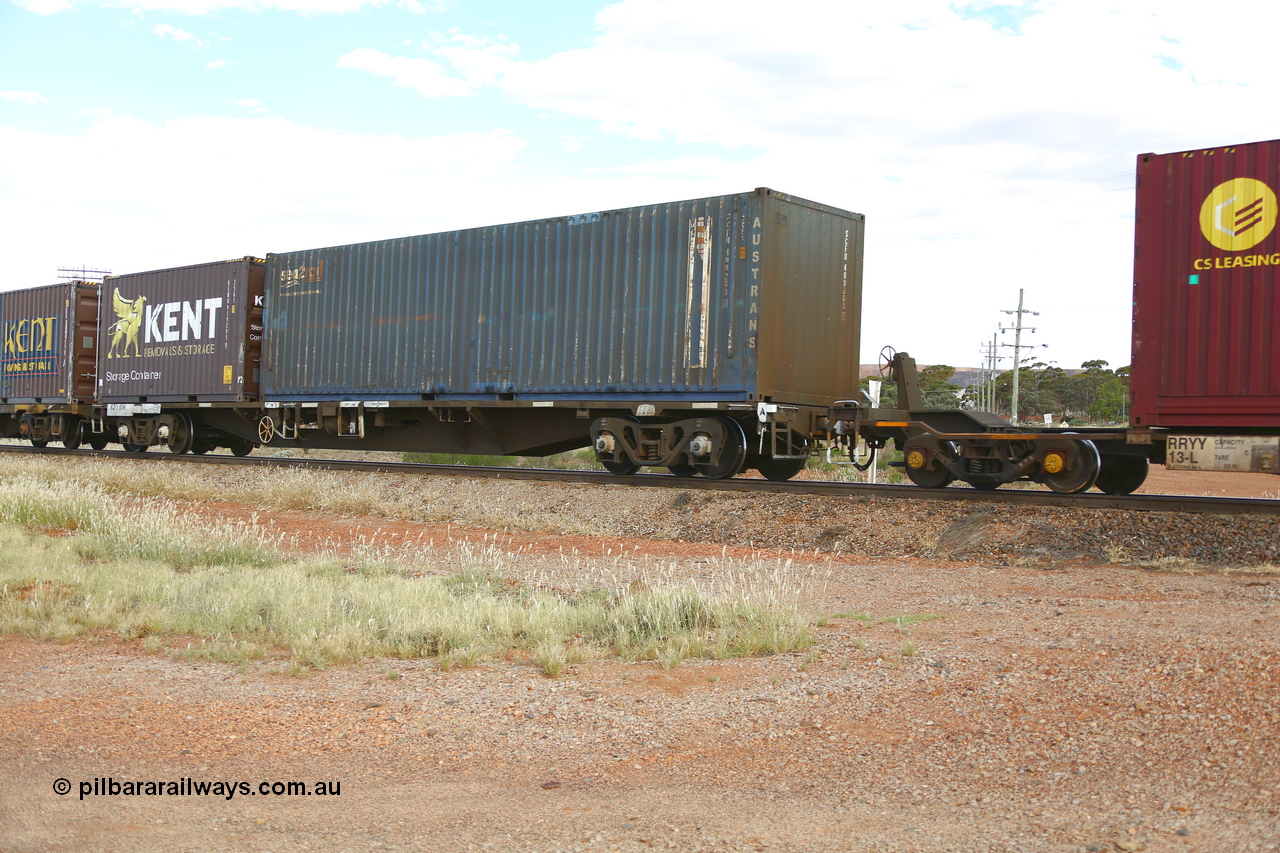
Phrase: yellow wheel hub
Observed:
(1054, 463)
(915, 459)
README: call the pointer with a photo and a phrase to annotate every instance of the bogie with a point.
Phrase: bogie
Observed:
(714, 446)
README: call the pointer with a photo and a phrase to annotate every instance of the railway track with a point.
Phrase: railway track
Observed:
(1094, 500)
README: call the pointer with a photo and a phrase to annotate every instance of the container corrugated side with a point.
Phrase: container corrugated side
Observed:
(49, 335)
(1206, 328)
(660, 301)
(188, 334)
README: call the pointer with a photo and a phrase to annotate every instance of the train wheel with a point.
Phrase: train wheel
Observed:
(39, 442)
(1055, 474)
(684, 470)
(180, 436)
(98, 442)
(73, 433)
(136, 448)
(732, 455)
(240, 446)
(620, 468)
(1122, 475)
(938, 478)
(915, 460)
(200, 448)
(780, 469)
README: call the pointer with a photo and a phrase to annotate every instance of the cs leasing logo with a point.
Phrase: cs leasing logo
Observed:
(1238, 214)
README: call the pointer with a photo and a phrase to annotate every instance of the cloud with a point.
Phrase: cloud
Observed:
(216, 64)
(476, 62)
(203, 7)
(43, 7)
(934, 74)
(753, 72)
(756, 72)
(686, 167)
(422, 75)
(22, 97)
(572, 144)
(170, 31)
(128, 177)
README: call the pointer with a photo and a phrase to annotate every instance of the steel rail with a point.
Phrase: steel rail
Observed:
(1089, 500)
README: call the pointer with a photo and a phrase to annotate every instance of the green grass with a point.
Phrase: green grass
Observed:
(842, 471)
(906, 622)
(909, 619)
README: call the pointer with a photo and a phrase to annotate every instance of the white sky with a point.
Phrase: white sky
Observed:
(990, 145)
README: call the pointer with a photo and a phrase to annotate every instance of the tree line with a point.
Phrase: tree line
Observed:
(1093, 394)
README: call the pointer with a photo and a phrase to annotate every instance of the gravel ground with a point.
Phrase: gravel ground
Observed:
(1068, 681)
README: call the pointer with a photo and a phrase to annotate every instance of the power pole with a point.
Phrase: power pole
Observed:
(986, 391)
(988, 396)
(980, 396)
(1017, 350)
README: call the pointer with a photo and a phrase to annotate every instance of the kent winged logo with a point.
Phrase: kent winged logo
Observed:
(177, 328)
(1238, 214)
(127, 327)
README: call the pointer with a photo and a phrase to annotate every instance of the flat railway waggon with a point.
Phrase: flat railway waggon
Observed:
(707, 337)
(700, 336)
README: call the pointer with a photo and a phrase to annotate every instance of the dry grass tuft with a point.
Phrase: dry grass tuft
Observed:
(147, 571)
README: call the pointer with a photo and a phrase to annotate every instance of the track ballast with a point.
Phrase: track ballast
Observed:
(1144, 503)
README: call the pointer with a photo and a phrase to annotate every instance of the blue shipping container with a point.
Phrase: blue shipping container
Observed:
(754, 296)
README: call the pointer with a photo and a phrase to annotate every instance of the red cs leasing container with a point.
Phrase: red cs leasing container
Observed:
(1206, 311)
